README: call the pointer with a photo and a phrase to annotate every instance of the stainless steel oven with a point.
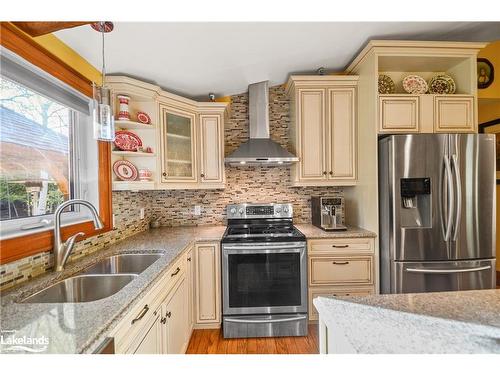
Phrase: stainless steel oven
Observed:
(264, 280)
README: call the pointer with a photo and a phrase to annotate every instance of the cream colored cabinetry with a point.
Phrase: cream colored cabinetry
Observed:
(323, 129)
(175, 317)
(207, 288)
(426, 114)
(454, 114)
(178, 146)
(211, 149)
(152, 342)
(190, 286)
(340, 267)
(192, 146)
(184, 141)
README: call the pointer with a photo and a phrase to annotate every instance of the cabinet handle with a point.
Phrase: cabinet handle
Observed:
(340, 246)
(168, 315)
(189, 259)
(164, 173)
(341, 263)
(143, 312)
(202, 175)
(176, 272)
(331, 173)
(163, 320)
(324, 173)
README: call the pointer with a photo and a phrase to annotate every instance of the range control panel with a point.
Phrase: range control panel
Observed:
(259, 211)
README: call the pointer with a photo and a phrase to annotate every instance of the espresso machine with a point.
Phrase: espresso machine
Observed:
(327, 213)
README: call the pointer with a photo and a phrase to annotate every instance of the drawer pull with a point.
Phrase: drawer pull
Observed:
(143, 312)
(176, 272)
(341, 263)
(340, 246)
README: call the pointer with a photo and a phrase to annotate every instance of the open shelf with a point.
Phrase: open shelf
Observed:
(133, 185)
(134, 153)
(124, 124)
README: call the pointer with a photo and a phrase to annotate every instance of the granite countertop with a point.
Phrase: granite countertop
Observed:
(81, 327)
(447, 322)
(313, 232)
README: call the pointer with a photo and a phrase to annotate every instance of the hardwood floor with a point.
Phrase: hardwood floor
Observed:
(210, 341)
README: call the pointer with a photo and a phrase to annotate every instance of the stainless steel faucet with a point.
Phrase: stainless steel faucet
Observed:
(63, 250)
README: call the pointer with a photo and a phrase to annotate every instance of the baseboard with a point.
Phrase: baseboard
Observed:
(207, 326)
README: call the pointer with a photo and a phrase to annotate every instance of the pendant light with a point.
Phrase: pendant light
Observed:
(101, 108)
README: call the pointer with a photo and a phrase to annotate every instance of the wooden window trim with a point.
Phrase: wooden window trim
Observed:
(23, 246)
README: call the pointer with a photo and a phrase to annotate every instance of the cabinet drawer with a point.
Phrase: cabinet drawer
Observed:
(340, 270)
(341, 246)
(398, 114)
(333, 292)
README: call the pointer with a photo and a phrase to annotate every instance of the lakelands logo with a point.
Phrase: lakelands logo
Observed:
(10, 342)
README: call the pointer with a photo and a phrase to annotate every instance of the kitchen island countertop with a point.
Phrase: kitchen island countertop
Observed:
(446, 322)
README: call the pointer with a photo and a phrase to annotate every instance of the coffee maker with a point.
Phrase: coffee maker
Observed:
(327, 213)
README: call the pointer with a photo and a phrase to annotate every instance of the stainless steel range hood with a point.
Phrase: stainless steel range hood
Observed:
(260, 149)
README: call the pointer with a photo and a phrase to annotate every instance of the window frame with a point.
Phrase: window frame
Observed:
(12, 249)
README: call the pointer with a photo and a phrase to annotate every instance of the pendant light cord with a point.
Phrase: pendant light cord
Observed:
(103, 72)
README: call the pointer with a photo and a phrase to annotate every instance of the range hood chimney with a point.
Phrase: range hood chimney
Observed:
(260, 149)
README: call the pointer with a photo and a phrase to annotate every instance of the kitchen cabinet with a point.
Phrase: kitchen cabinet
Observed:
(190, 287)
(340, 267)
(426, 113)
(175, 317)
(207, 287)
(323, 130)
(178, 146)
(185, 137)
(454, 114)
(211, 149)
(151, 342)
(399, 114)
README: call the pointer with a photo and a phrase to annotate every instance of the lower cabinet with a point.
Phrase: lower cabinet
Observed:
(186, 294)
(151, 343)
(207, 287)
(175, 318)
(340, 267)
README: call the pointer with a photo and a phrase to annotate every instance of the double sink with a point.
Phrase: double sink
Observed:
(101, 280)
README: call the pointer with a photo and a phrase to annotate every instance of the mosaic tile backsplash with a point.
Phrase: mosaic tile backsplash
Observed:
(176, 207)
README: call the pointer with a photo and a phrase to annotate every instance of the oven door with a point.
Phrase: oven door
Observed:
(265, 278)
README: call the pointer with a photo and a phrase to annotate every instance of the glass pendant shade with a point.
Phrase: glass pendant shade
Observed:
(102, 114)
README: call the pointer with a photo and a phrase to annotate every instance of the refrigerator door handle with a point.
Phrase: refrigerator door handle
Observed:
(457, 270)
(458, 179)
(450, 198)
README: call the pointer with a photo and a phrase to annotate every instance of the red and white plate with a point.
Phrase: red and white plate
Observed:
(127, 141)
(125, 170)
(143, 117)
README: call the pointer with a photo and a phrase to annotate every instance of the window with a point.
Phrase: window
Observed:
(47, 154)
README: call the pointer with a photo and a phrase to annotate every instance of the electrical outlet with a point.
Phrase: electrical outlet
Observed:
(197, 210)
(114, 221)
(141, 213)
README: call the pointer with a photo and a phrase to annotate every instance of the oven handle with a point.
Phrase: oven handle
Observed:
(292, 245)
(264, 321)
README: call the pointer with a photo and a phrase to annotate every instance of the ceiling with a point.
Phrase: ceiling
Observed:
(193, 59)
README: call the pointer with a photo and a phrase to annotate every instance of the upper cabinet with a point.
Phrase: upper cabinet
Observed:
(323, 129)
(182, 146)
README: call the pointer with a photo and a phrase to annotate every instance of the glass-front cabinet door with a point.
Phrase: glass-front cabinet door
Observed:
(178, 145)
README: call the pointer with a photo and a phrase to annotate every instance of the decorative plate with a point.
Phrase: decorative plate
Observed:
(143, 117)
(127, 141)
(125, 170)
(442, 84)
(414, 84)
(385, 85)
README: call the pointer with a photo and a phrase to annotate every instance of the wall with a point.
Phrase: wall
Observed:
(492, 53)
(174, 208)
(244, 184)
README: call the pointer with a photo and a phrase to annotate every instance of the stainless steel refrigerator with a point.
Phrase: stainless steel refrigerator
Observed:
(437, 212)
